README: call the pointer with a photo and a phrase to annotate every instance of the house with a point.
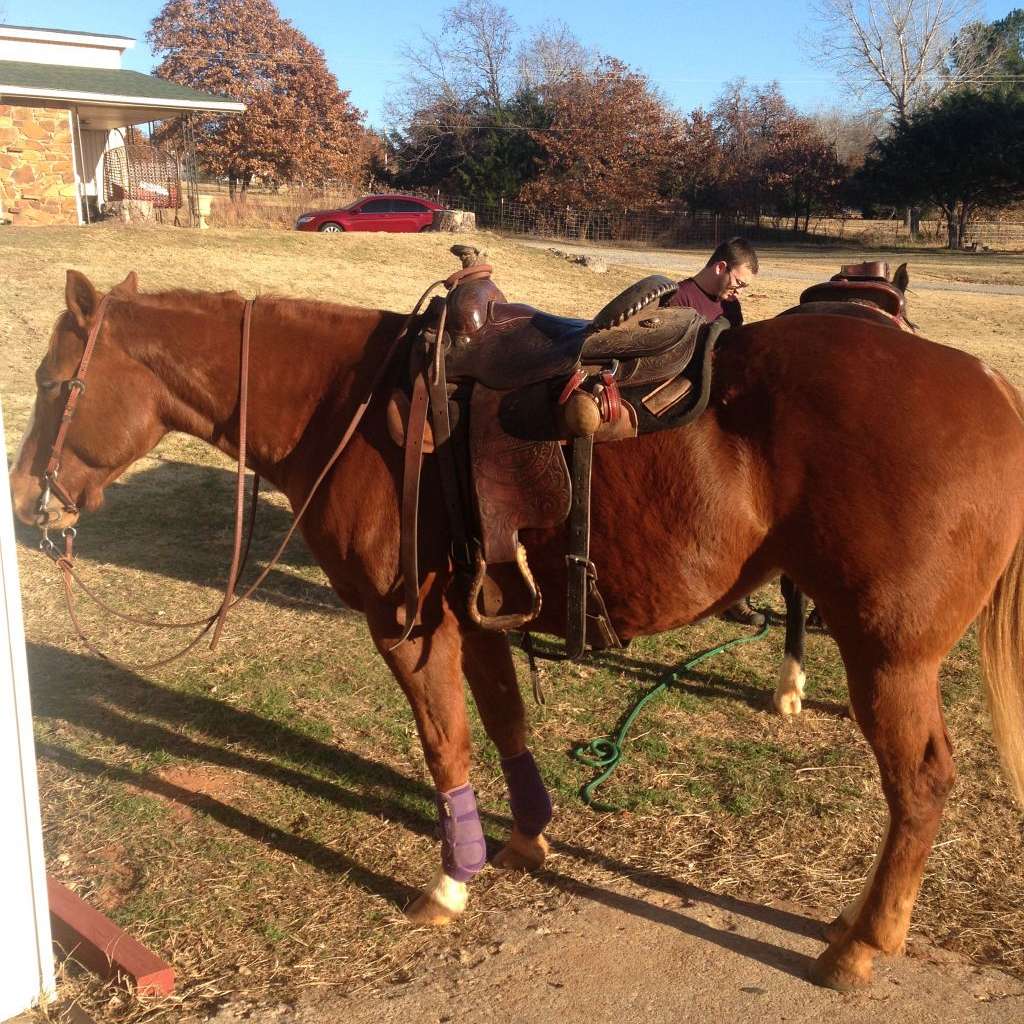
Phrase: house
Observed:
(65, 101)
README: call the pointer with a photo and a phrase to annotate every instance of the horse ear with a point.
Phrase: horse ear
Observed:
(901, 278)
(128, 287)
(81, 298)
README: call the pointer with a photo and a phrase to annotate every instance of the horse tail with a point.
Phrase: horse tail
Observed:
(1001, 643)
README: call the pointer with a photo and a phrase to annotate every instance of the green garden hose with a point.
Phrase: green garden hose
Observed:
(605, 752)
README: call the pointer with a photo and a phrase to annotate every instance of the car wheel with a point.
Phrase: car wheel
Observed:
(426, 227)
(331, 226)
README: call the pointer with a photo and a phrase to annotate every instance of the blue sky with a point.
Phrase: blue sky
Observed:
(687, 50)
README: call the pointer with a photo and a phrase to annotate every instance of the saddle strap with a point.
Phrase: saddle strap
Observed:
(581, 574)
(409, 553)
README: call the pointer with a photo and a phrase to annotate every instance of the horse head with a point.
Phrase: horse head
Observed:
(901, 280)
(50, 485)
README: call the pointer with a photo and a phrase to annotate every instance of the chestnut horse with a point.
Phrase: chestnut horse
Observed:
(882, 473)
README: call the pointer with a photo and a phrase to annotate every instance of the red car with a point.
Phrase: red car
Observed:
(373, 213)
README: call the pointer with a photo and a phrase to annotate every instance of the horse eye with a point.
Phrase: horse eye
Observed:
(48, 385)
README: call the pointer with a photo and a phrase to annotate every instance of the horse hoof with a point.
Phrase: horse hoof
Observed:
(440, 904)
(844, 967)
(522, 853)
(425, 910)
(787, 704)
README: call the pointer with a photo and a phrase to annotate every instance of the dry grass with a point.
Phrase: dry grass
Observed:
(272, 210)
(259, 816)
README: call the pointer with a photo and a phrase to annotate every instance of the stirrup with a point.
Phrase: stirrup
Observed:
(503, 622)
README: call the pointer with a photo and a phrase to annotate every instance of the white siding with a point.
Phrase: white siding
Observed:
(42, 46)
(26, 955)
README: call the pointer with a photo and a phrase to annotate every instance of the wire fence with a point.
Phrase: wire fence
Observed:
(671, 228)
(279, 206)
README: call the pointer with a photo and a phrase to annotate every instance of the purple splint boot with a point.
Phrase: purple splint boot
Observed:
(463, 850)
(529, 800)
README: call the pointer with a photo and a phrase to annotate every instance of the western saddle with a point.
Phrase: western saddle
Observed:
(862, 290)
(507, 388)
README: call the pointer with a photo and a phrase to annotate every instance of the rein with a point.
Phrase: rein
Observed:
(64, 558)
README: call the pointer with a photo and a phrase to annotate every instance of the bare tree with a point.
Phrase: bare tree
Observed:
(469, 63)
(551, 56)
(901, 52)
(850, 134)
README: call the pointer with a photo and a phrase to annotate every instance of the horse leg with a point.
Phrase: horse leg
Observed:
(491, 673)
(897, 708)
(790, 688)
(428, 668)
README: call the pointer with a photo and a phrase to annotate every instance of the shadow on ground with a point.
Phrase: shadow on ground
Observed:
(105, 700)
(176, 520)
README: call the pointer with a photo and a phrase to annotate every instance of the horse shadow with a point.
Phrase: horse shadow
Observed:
(176, 520)
(104, 699)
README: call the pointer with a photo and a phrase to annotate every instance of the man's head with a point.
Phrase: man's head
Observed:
(730, 269)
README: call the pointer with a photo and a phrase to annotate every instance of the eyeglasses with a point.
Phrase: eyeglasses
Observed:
(738, 283)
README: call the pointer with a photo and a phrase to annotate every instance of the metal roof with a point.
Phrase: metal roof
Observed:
(67, 83)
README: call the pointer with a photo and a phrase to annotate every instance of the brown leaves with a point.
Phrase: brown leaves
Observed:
(609, 142)
(298, 125)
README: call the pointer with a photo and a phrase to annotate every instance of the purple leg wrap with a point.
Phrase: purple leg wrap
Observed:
(531, 805)
(463, 850)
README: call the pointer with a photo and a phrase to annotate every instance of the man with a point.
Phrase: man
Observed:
(713, 292)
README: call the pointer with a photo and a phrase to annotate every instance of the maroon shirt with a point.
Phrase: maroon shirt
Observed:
(690, 295)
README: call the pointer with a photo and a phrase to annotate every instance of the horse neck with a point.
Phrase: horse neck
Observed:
(306, 363)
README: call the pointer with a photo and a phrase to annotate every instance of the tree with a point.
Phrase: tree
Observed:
(851, 134)
(298, 124)
(964, 154)
(609, 142)
(695, 167)
(1001, 43)
(551, 56)
(462, 119)
(904, 53)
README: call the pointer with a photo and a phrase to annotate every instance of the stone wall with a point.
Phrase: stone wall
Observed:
(37, 174)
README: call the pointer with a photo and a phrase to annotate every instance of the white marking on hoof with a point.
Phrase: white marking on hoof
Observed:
(451, 895)
(442, 901)
(790, 688)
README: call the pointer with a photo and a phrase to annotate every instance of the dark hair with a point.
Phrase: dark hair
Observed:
(734, 252)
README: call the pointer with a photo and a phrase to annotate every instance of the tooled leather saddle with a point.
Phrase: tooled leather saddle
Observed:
(497, 393)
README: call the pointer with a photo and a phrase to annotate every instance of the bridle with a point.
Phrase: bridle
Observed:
(51, 474)
(63, 557)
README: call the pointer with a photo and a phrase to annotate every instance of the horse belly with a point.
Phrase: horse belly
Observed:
(675, 533)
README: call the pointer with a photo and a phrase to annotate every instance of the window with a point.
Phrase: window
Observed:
(408, 206)
(376, 206)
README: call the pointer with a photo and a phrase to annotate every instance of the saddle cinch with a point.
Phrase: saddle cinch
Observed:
(508, 389)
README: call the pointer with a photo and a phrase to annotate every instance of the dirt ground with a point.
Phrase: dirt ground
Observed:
(661, 952)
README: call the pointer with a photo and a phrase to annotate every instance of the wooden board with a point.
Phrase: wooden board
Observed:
(94, 941)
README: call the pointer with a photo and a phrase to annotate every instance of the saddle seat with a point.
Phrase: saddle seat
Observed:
(506, 345)
(863, 291)
(518, 345)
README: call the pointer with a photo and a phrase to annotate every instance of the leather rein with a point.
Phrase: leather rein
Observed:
(63, 556)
